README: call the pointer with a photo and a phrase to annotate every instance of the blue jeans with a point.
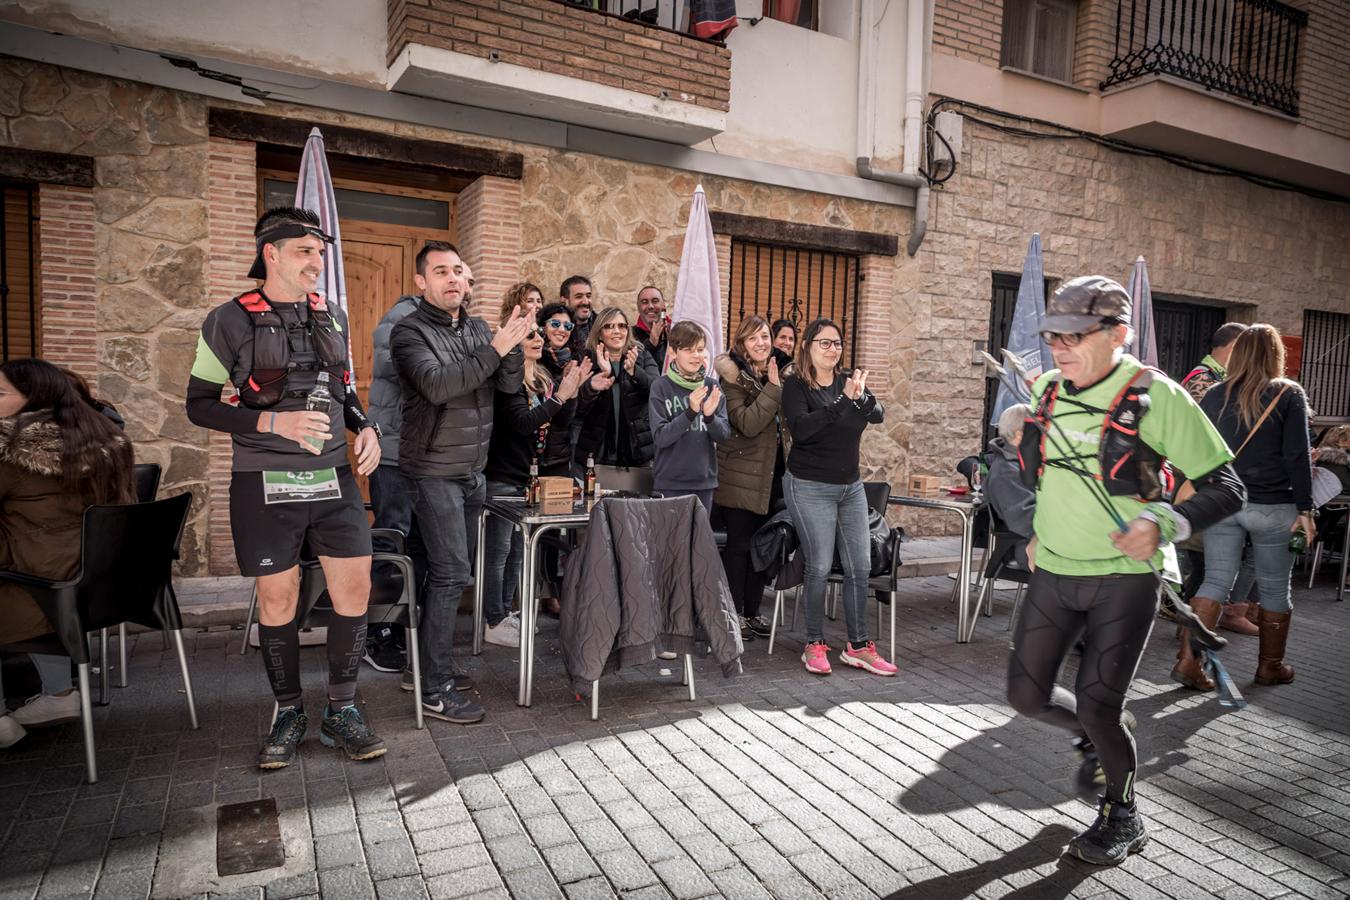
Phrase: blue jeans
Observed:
(1267, 525)
(393, 496)
(447, 516)
(502, 557)
(829, 517)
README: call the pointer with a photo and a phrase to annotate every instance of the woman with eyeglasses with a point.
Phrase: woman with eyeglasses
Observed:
(827, 408)
(750, 465)
(529, 427)
(615, 430)
(556, 325)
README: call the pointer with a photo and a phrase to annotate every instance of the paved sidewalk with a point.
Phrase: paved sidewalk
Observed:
(772, 784)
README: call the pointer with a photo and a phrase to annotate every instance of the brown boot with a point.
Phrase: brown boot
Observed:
(1274, 634)
(1188, 671)
(1254, 611)
(1235, 619)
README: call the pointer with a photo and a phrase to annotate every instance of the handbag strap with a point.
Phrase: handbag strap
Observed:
(1269, 407)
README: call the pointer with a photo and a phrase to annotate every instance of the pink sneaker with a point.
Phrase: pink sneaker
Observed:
(817, 659)
(867, 658)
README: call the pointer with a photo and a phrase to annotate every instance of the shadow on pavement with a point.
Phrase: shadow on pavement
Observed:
(1047, 846)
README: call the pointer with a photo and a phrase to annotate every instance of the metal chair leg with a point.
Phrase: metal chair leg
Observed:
(776, 618)
(1316, 562)
(103, 676)
(248, 619)
(1016, 611)
(893, 647)
(689, 675)
(796, 605)
(595, 700)
(415, 656)
(832, 601)
(187, 678)
(87, 722)
(122, 655)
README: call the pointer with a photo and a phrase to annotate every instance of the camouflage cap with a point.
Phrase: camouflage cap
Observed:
(1084, 302)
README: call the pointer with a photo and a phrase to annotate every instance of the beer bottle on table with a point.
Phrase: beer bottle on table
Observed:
(590, 477)
(532, 489)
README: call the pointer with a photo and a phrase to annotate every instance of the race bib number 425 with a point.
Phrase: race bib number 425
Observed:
(300, 487)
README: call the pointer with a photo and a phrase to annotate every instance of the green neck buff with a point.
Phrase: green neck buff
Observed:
(689, 384)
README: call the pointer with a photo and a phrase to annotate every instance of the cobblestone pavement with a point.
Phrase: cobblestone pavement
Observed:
(776, 783)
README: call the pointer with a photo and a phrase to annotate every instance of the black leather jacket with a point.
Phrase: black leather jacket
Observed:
(448, 371)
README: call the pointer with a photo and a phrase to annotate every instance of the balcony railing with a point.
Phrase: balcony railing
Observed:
(670, 15)
(1246, 48)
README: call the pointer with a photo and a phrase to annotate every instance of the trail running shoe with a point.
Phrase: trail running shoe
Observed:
(1118, 832)
(347, 729)
(288, 730)
(816, 656)
(866, 657)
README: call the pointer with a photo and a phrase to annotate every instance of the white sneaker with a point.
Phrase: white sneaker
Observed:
(667, 654)
(42, 710)
(11, 732)
(505, 633)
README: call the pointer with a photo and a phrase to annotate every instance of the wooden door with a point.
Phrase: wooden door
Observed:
(379, 269)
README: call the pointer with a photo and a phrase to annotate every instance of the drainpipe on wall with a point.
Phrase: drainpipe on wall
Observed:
(916, 49)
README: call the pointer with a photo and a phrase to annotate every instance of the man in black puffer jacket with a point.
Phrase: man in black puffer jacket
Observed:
(449, 364)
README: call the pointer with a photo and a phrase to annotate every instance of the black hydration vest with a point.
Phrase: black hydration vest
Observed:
(1128, 467)
(272, 362)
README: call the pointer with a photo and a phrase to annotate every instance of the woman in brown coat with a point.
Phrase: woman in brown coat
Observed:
(750, 465)
(57, 456)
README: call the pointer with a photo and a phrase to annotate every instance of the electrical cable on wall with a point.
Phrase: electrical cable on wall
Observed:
(1065, 132)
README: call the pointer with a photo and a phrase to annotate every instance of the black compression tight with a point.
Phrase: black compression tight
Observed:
(1114, 614)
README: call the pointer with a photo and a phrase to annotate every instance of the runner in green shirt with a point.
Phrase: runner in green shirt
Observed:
(1091, 578)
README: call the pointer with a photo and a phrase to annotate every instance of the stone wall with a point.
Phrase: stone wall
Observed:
(1210, 238)
(149, 238)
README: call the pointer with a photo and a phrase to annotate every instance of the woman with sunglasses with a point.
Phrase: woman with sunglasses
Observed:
(529, 427)
(615, 430)
(826, 408)
(556, 326)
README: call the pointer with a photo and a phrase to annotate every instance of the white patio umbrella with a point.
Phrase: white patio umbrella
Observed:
(1144, 347)
(698, 290)
(314, 192)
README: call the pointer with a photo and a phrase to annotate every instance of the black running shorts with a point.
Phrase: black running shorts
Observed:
(268, 539)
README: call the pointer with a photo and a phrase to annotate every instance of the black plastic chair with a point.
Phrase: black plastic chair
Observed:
(146, 477)
(883, 586)
(1000, 563)
(125, 575)
(393, 599)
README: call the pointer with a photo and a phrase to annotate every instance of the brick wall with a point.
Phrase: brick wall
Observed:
(1095, 42)
(232, 202)
(67, 267)
(551, 37)
(970, 29)
(487, 216)
(876, 296)
(1324, 88)
(1205, 238)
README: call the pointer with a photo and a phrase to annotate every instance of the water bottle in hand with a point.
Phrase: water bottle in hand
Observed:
(319, 400)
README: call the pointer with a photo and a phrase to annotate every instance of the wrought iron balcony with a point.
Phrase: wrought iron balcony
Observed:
(1245, 48)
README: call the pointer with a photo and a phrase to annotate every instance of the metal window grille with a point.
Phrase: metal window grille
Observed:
(1325, 369)
(1183, 332)
(777, 282)
(19, 302)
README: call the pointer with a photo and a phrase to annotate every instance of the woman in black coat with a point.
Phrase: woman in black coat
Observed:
(613, 406)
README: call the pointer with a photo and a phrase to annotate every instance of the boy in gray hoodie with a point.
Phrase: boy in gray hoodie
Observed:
(688, 417)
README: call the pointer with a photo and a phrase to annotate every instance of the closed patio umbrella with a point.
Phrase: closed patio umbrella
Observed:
(314, 192)
(1144, 347)
(698, 290)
